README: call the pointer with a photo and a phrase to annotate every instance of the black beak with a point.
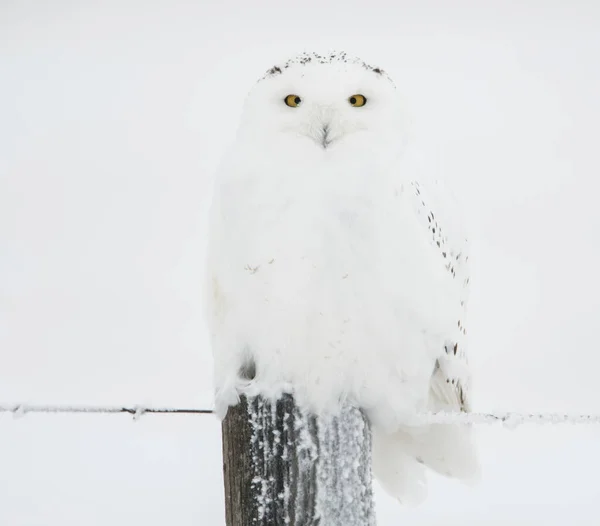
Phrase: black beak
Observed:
(325, 140)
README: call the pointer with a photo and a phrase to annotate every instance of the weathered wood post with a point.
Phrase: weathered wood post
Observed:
(284, 467)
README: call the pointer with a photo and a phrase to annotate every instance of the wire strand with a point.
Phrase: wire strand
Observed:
(508, 419)
(23, 409)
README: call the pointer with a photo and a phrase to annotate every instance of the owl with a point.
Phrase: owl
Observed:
(334, 273)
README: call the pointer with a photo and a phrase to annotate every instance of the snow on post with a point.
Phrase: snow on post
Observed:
(284, 467)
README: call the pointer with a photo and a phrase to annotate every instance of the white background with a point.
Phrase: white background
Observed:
(113, 116)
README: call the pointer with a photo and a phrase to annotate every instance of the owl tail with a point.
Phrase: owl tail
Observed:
(399, 474)
(400, 458)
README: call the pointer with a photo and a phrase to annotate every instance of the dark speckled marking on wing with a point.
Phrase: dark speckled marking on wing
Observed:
(452, 247)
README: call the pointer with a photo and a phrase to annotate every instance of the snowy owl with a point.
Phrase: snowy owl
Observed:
(331, 270)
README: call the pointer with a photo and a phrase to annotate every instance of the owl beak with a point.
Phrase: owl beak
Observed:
(322, 117)
(325, 140)
(321, 135)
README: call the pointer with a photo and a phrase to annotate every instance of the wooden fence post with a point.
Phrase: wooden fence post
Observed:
(286, 468)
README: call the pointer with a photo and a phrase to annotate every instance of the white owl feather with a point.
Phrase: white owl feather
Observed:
(333, 273)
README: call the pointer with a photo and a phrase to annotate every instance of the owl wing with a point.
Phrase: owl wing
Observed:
(439, 214)
(448, 449)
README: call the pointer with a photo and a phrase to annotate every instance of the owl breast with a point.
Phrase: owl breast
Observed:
(321, 272)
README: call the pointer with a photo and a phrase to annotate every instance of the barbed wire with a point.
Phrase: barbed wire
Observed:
(508, 419)
(137, 411)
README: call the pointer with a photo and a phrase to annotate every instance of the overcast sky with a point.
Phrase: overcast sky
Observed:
(112, 120)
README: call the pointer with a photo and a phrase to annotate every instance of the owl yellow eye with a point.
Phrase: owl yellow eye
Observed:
(357, 100)
(293, 101)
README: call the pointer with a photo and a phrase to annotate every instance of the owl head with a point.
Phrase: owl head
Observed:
(324, 102)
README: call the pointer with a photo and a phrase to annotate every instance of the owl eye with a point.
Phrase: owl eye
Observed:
(357, 100)
(293, 101)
